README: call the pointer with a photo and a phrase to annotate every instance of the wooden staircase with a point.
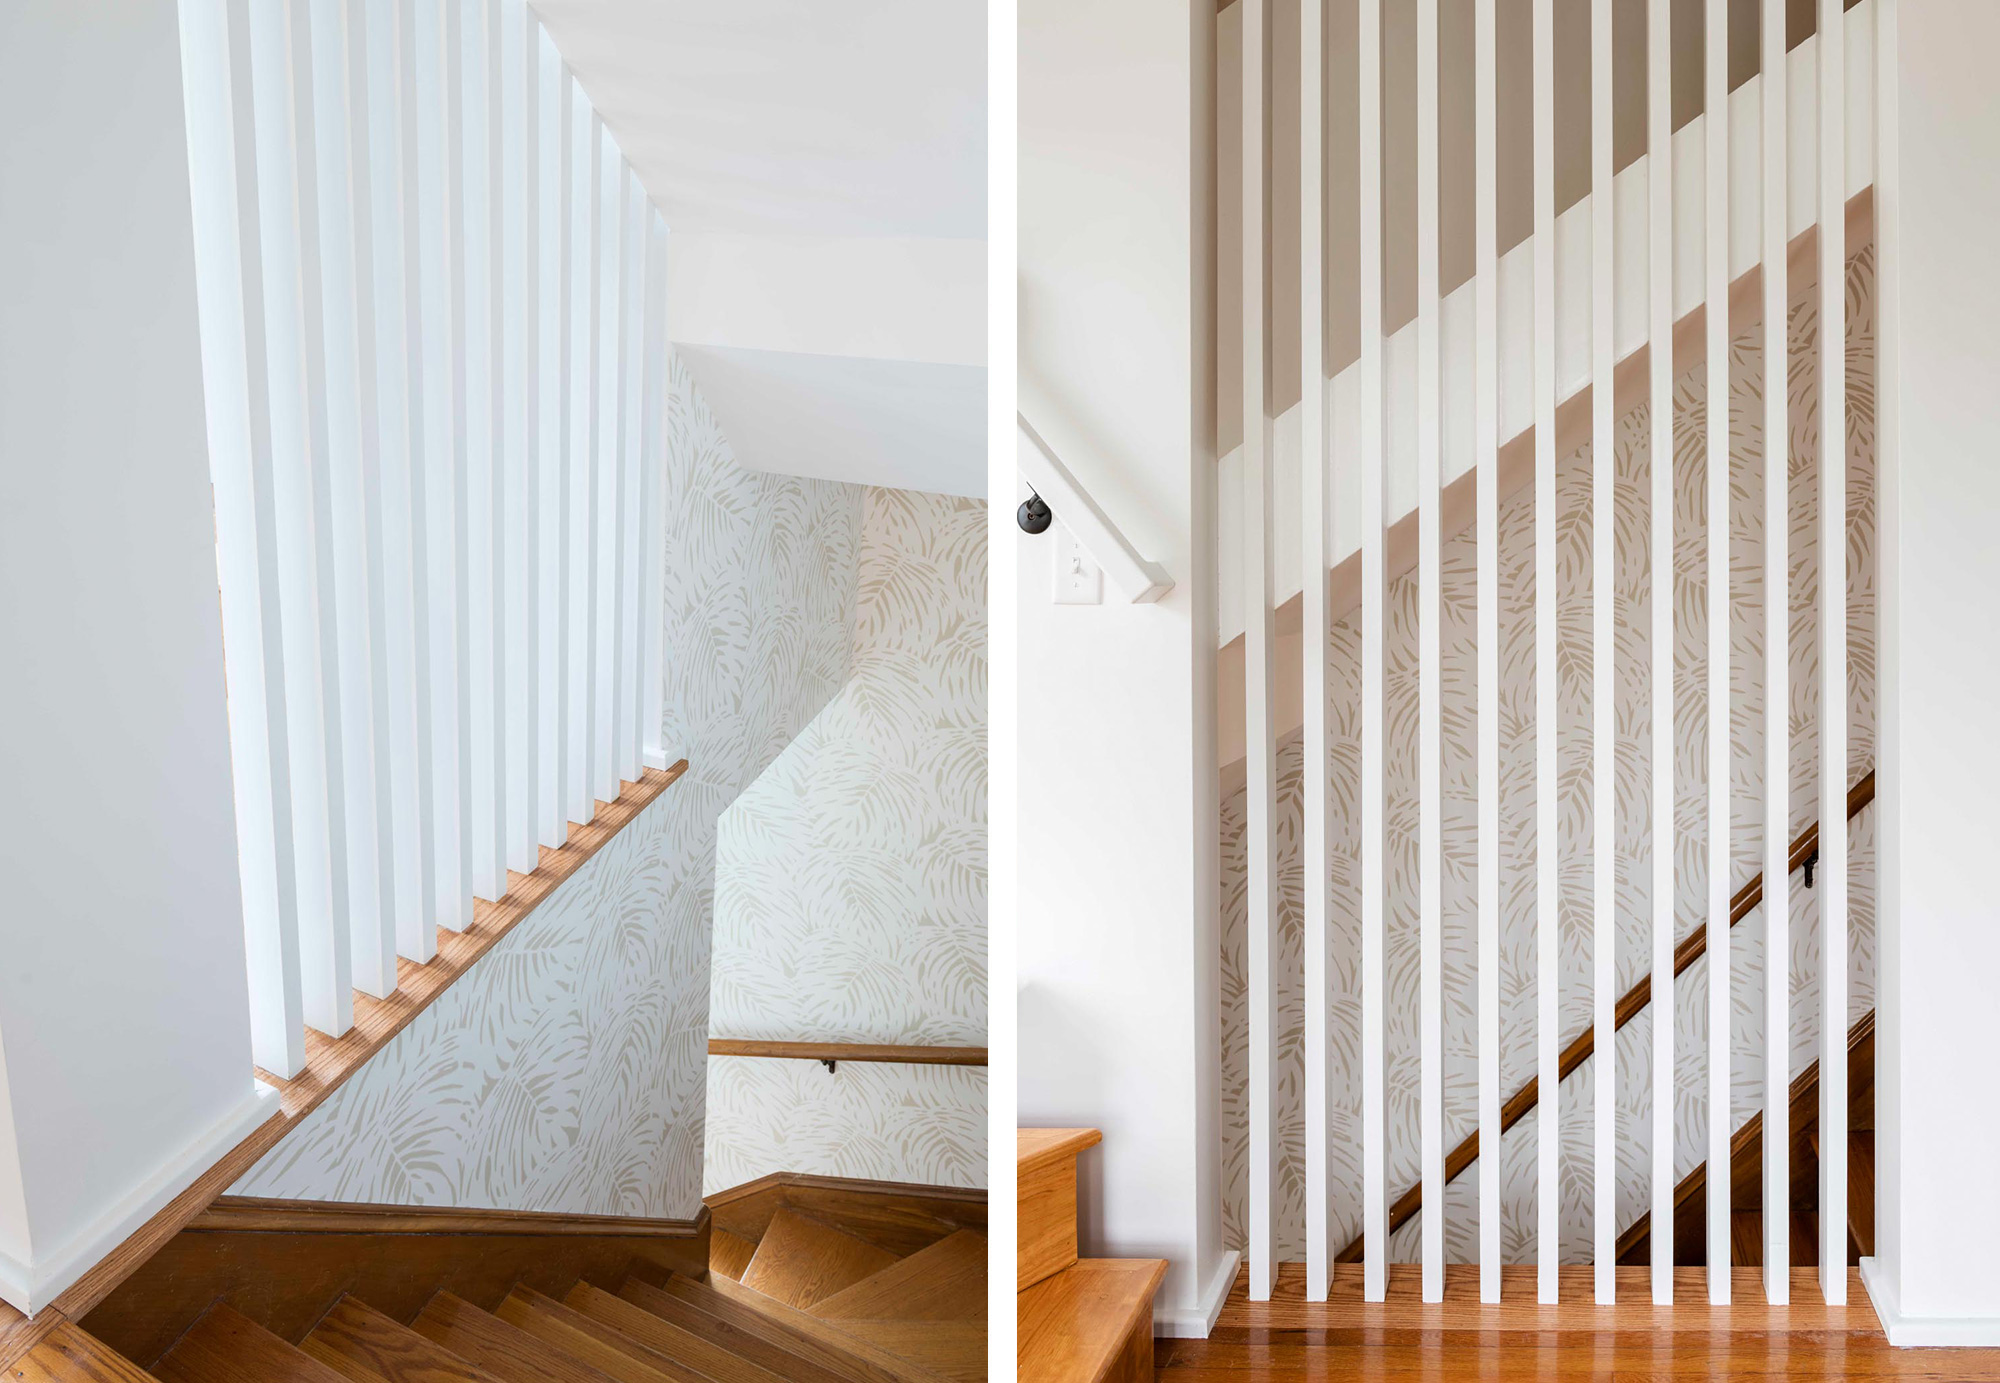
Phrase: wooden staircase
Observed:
(817, 1305)
(1081, 1320)
(1746, 1177)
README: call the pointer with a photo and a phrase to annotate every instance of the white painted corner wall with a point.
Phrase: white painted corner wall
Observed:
(124, 1020)
(1117, 938)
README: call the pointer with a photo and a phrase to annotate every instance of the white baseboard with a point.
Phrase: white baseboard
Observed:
(1194, 1323)
(1906, 1332)
(28, 1287)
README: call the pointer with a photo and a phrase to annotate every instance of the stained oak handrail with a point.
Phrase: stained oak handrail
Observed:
(1691, 949)
(848, 1051)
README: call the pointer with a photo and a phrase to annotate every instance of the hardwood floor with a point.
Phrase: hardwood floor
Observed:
(1291, 1338)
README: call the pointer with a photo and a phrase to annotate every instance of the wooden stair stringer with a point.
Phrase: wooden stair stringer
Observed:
(1629, 1006)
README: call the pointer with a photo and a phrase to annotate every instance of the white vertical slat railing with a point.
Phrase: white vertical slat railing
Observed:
(1660, 430)
(1548, 1176)
(1776, 1193)
(1430, 614)
(393, 229)
(1316, 543)
(1260, 769)
(1486, 461)
(1833, 652)
(1603, 646)
(1715, 269)
(1374, 609)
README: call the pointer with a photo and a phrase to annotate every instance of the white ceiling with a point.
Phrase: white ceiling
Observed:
(792, 116)
(822, 171)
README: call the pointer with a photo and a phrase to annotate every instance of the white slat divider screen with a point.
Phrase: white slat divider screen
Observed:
(1833, 651)
(229, 299)
(1486, 460)
(582, 347)
(1259, 760)
(604, 465)
(1374, 608)
(353, 430)
(1547, 949)
(652, 530)
(1603, 646)
(383, 200)
(1316, 542)
(1660, 397)
(1430, 612)
(291, 293)
(1777, 663)
(1715, 269)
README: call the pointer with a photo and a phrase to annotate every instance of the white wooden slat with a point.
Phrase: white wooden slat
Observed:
(1260, 767)
(352, 479)
(1603, 649)
(1547, 953)
(1715, 269)
(494, 463)
(585, 168)
(1486, 458)
(605, 474)
(475, 785)
(552, 437)
(630, 592)
(229, 294)
(375, 77)
(1660, 393)
(653, 568)
(481, 695)
(1430, 614)
(513, 97)
(1777, 663)
(429, 251)
(1374, 608)
(285, 227)
(1317, 545)
(1833, 654)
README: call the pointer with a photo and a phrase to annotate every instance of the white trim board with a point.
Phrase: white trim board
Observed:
(1195, 1322)
(28, 1287)
(1906, 1332)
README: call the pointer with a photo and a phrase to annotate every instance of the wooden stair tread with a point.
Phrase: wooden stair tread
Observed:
(69, 1355)
(729, 1254)
(592, 1341)
(225, 1345)
(885, 1366)
(664, 1337)
(365, 1345)
(807, 1336)
(1075, 1325)
(950, 1349)
(505, 1351)
(800, 1261)
(786, 1362)
(945, 1282)
(1036, 1147)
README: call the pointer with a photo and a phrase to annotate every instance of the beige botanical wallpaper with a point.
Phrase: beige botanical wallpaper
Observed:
(851, 883)
(565, 1072)
(1634, 874)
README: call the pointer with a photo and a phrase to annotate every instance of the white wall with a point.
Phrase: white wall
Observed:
(1935, 1278)
(1117, 805)
(123, 1008)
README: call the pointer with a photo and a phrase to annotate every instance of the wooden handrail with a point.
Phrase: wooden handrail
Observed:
(848, 1051)
(1634, 999)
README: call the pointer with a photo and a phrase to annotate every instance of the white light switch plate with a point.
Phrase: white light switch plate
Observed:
(1079, 580)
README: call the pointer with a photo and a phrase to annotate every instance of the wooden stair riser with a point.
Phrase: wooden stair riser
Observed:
(487, 1342)
(785, 1362)
(801, 1261)
(667, 1339)
(1045, 1200)
(807, 1336)
(368, 1347)
(945, 1282)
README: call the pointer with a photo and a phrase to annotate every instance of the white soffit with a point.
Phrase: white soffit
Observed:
(902, 424)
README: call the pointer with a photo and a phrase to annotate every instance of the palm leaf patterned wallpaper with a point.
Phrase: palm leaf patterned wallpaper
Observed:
(565, 1071)
(850, 891)
(1517, 824)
